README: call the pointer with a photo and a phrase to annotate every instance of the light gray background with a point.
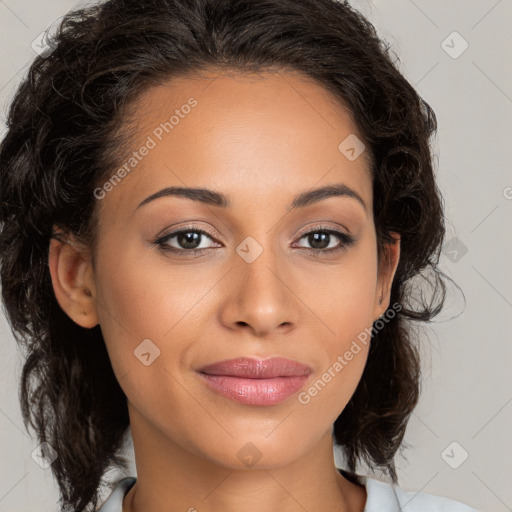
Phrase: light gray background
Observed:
(467, 391)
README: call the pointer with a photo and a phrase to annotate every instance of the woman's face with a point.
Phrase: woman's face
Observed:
(257, 288)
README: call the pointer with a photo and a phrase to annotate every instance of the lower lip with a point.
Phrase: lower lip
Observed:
(255, 391)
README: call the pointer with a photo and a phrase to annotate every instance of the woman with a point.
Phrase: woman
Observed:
(213, 216)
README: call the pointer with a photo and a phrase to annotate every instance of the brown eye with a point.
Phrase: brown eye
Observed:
(327, 240)
(186, 240)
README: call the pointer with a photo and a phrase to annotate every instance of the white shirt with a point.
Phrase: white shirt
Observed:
(381, 497)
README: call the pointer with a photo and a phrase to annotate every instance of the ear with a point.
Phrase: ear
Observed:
(73, 279)
(387, 269)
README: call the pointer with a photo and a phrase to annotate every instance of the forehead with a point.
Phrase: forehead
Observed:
(251, 135)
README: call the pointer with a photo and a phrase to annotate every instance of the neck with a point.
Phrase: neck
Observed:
(170, 477)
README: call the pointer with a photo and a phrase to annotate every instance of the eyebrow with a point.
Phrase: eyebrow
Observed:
(221, 200)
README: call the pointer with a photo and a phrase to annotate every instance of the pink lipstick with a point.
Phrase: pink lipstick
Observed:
(256, 381)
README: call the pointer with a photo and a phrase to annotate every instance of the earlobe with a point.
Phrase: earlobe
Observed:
(73, 281)
(387, 270)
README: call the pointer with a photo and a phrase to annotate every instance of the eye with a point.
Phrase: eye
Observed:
(189, 239)
(327, 240)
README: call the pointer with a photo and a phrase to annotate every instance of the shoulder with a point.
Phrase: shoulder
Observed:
(395, 499)
(114, 502)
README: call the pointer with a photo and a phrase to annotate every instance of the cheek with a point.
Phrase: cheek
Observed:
(147, 309)
(144, 296)
(342, 298)
(137, 301)
(342, 350)
(343, 295)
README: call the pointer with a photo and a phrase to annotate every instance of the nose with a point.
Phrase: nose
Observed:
(260, 297)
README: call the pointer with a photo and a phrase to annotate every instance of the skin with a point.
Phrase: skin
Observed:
(261, 139)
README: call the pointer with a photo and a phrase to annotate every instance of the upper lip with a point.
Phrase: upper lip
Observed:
(250, 368)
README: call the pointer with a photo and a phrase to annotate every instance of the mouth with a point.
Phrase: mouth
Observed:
(256, 381)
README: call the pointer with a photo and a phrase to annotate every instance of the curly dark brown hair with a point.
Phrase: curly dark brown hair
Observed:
(63, 140)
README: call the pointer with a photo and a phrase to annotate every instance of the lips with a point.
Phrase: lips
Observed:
(248, 368)
(255, 381)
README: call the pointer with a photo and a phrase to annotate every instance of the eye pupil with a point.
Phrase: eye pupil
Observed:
(188, 239)
(321, 238)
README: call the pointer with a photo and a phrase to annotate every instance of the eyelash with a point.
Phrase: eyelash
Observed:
(345, 239)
